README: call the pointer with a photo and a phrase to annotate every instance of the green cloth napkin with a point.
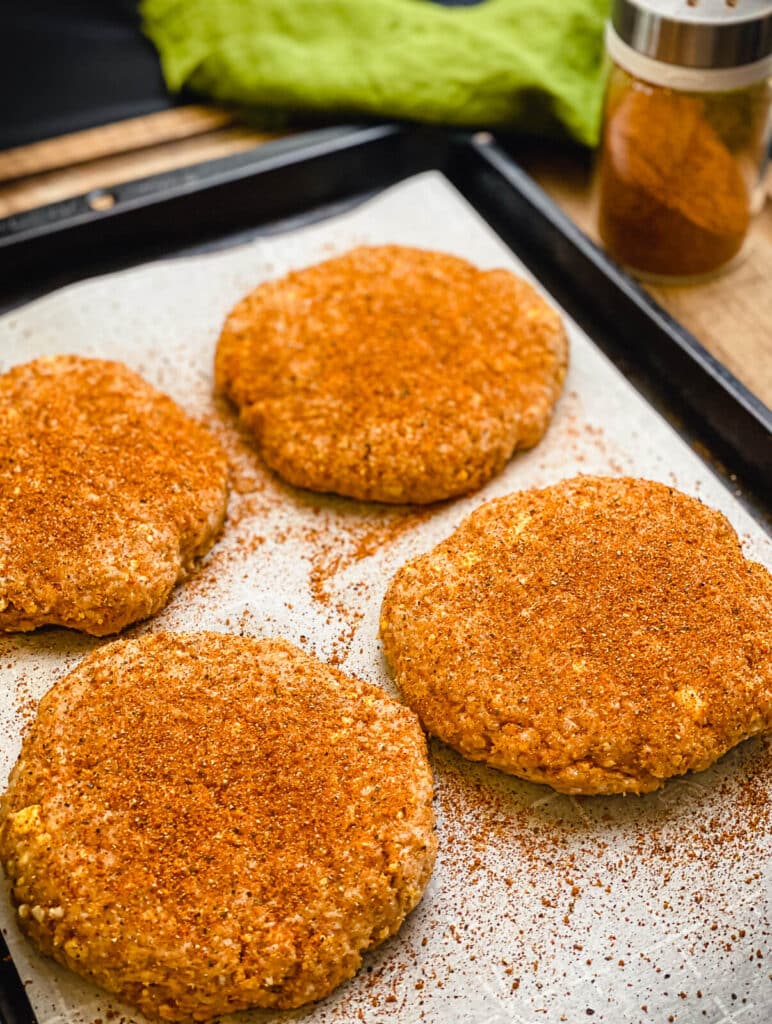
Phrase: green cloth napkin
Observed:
(535, 65)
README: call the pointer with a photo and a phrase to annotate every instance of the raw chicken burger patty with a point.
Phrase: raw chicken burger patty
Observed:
(202, 823)
(600, 635)
(393, 374)
(109, 492)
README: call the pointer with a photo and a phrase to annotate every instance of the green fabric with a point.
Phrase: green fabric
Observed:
(535, 65)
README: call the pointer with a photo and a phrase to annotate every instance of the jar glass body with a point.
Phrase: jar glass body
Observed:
(679, 174)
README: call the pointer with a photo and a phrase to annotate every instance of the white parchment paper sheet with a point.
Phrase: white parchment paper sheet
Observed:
(542, 907)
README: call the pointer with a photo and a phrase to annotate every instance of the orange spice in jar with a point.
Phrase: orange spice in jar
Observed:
(685, 133)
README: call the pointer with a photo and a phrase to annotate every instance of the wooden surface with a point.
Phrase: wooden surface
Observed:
(731, 315)
(71, 165)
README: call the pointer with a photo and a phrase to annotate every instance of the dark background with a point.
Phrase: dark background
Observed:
(72, 64)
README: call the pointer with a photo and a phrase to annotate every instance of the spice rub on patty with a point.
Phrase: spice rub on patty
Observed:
(600, 636)
(202, 823)
(108, 494)
(393, 374)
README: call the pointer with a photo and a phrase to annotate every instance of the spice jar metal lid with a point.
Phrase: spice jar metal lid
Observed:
(693, 44)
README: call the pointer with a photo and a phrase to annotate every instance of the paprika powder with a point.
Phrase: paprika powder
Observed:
(682, 146)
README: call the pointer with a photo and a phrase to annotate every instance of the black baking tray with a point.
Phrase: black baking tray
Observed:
(308, 177)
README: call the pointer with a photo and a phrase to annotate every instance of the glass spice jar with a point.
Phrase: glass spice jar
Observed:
(685, 133)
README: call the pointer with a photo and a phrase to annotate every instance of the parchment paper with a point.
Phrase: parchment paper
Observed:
(542, 907)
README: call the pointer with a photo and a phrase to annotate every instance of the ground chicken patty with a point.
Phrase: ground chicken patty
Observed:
(393, 374)
(108, 493)
(201, 823)
(600, 636)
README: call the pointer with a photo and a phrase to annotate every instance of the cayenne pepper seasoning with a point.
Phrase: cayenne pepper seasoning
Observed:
(685, 132)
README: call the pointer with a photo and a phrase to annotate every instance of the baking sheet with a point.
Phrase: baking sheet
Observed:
(541, 906)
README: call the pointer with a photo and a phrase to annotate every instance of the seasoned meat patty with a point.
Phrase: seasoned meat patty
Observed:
(600, 635)
(393, 374)
(201, 823)
(108, 494)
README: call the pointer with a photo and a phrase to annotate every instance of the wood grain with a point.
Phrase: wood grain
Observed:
(53, 186)
(731, 315)
(110, 139)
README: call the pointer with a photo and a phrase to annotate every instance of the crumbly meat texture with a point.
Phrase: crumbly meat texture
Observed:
(108, 494)
(393, 374)
(202, 823)
(600, 636)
